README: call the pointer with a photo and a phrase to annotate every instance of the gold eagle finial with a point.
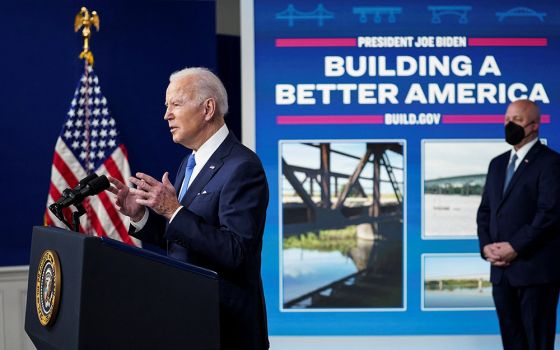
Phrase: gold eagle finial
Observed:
(85, 20)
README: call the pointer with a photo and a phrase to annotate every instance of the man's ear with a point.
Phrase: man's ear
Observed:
(209, 108)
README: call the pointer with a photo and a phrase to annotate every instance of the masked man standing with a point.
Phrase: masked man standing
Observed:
(519, 232)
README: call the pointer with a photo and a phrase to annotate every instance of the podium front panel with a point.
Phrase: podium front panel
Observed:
(118, 297)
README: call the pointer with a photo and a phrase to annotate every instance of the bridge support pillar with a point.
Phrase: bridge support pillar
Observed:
(365, 231)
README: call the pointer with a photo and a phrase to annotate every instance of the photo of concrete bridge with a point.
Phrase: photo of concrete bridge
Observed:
(463, 184)
(456, 281)
(454, 174)
(472, 281)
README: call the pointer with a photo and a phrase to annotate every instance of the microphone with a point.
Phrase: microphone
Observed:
(86, 180)
(69, 192)
(88, 186)
(83, 182)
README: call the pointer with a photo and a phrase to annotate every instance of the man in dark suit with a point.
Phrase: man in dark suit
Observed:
(214, 216)
(519, 232)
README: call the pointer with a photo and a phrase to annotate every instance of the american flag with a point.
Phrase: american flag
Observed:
(89, 142)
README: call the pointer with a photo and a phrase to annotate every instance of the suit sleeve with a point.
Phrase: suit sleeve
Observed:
(241, 214)
(483, 217)
(152, 232)
(547, 216)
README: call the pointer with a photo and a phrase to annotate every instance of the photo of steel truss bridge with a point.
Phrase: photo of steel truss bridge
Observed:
(342, 224)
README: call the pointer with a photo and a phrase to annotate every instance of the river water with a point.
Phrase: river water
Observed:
(306, 270)
(459, 298)
(450, 215)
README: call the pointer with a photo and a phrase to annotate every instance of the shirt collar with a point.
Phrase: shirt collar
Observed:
(522, 152)
(210, 146)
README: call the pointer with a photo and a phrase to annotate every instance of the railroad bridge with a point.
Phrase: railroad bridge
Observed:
(325, 198)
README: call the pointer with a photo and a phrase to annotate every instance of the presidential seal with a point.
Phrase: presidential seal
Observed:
(47, 289)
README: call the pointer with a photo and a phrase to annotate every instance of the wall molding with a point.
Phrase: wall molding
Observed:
(13, 273)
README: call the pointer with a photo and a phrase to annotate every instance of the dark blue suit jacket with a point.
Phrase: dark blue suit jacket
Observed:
(221, 228)
(527, 216)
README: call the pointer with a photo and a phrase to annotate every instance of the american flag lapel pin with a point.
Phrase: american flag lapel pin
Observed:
(527, 161)
(212, 167)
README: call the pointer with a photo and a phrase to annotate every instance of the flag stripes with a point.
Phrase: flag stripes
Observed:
(89, 142)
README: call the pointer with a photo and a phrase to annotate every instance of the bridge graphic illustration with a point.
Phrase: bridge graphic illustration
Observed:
(291, 14)
(460, 11)
(377, 12)
(520, 12)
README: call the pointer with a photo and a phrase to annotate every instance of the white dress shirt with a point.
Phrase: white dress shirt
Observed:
(522, 152)
(201, 158)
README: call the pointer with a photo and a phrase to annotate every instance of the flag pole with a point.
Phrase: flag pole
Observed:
(85, 20)
(71, 159)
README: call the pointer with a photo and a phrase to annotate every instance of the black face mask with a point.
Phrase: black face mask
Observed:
(514, 133)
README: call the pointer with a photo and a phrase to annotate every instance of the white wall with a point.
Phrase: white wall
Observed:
(13, 297)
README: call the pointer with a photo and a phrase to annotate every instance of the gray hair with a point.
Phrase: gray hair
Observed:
(206, 85)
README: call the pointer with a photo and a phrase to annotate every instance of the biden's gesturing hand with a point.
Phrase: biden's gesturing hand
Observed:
(159, 196)
(126, 200)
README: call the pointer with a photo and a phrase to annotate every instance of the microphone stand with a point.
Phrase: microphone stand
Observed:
(57, 211)
(76, 216)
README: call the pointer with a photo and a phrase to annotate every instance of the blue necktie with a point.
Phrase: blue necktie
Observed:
(191, 163)
(510, 171)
